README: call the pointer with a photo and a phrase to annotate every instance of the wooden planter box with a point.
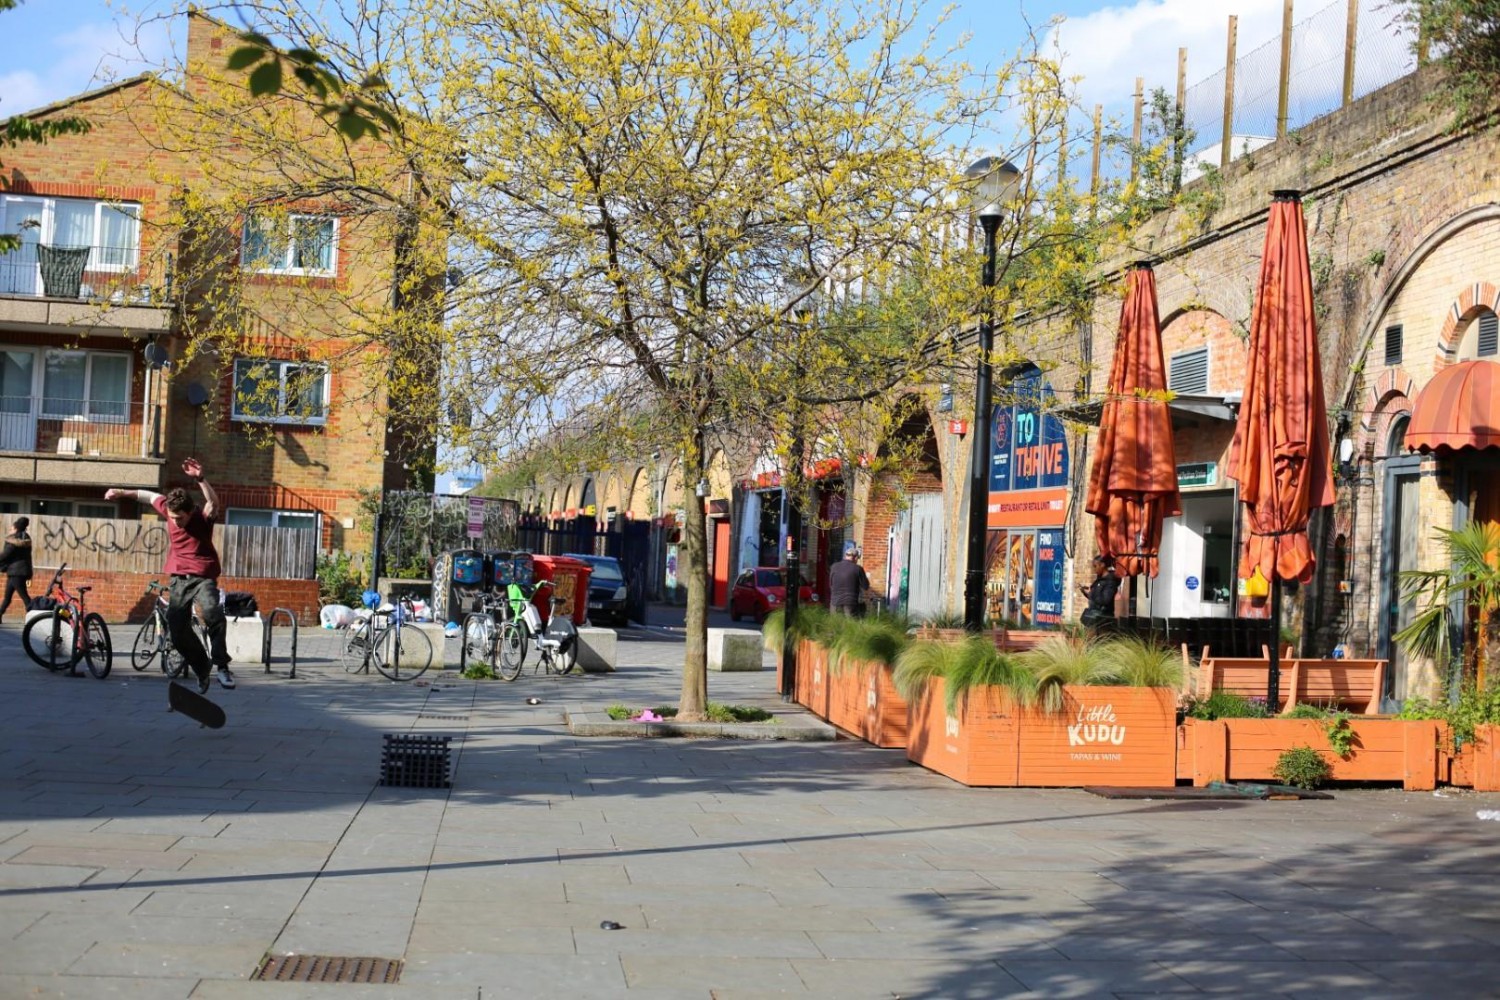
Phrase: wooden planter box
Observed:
(812, 678)
(886, 712)
(1105, 736)
(863, 701)
(1391, 750)
(1477, 765)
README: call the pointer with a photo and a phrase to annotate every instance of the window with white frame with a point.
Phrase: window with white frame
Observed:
(304, 520)
(86, 385)
(283, 392)
(111, 229)
(290, 244)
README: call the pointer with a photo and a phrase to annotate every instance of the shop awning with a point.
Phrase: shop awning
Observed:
(1459, 408)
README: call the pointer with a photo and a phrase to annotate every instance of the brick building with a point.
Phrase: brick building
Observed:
(107, 379)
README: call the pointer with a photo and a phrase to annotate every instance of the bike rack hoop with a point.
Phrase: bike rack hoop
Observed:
(265, 643)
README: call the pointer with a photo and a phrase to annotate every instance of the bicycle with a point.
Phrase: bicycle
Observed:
(397, 648)
(556, 641)
(155, 638)
(69, 633)
(480, 638)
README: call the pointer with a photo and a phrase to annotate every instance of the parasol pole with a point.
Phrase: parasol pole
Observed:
(1273, 680)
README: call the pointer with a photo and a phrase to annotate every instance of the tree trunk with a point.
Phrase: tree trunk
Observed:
(693, 564)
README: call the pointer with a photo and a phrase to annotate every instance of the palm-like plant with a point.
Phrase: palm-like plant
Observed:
(1470, 581)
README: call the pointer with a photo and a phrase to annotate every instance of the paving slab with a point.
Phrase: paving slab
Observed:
(143, 856)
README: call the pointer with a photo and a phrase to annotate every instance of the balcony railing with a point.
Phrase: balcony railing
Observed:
(49, 425)
(88, 274)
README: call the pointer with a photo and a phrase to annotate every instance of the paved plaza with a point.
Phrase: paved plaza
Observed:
(142, 856)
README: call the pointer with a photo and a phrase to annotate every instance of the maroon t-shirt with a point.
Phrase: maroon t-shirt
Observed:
(190, 549)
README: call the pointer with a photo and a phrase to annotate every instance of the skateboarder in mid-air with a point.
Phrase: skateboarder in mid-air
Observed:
(193, 565)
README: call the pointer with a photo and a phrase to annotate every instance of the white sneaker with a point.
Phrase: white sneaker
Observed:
(226, 679)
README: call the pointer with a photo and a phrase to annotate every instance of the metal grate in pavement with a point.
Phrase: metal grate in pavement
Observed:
(439, 715)
(328, 969)
(414, 760)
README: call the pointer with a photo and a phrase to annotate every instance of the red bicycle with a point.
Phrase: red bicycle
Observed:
(68, 633)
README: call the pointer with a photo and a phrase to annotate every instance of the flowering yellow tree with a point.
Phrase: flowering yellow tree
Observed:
(672, 220)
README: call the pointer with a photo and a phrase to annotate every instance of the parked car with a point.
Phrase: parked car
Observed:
(759, 591)
(608, 592)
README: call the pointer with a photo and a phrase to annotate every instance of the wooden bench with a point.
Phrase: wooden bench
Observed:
(1355, 685)
(1013, 640)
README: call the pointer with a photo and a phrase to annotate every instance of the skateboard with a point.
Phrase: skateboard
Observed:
(181, 698)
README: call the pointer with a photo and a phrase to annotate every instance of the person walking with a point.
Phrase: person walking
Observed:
(193, 565)
(848, 584)
(15, 561)
(1100, 614)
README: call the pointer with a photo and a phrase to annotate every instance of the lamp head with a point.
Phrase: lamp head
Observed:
(992, 184)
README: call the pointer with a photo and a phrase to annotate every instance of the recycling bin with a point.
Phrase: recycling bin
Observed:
(570, 581)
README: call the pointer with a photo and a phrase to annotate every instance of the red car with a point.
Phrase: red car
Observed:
(759, 591)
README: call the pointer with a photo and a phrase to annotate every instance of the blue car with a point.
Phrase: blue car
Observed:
(608, 593)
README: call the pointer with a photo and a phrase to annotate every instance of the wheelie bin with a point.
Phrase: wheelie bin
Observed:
(570, 581)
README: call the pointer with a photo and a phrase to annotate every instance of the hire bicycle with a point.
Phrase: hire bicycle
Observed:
(68, 633)
(389, 640)
(506, 627)
(155, 638)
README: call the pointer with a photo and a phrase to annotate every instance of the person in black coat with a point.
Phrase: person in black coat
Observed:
(15, 560)
(1100, 614)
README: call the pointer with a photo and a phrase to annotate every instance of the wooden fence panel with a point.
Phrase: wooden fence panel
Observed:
(117, 545)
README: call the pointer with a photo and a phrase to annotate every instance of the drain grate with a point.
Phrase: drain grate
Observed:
(413, 760)
(437, 715)
(328, 969)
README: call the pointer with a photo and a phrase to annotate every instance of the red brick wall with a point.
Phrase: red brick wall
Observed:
(122, 597)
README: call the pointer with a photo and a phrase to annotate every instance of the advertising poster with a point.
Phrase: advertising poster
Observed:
(1049, 577)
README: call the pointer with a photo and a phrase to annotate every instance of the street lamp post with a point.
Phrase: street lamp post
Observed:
(993, 182)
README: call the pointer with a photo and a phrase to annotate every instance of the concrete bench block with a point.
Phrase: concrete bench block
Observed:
(734, 649)
(440, 658)
(597, 650)
(244, 638)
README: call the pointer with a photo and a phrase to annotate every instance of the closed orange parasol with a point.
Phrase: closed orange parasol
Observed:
(1280, 455)
(1133, 484)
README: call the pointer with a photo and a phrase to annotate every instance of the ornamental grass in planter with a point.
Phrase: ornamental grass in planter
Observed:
(1072, 711)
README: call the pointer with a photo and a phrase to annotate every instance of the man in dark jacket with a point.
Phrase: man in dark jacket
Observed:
(15, 561)
(847, 584)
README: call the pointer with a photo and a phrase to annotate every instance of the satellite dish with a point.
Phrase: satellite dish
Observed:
(156, 355)
(196, 394)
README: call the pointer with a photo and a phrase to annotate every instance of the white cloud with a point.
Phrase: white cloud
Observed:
(69, 59)
(21, 90)
(1111, 47)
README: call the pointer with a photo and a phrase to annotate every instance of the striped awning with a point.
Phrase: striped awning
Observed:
(1459, 408)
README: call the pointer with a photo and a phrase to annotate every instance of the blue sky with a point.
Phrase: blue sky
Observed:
(56, 48)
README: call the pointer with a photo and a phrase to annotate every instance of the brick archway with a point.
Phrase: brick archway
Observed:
(1480, 295)
(1389, 397)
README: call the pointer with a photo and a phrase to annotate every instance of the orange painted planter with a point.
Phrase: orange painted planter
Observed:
(846, 695)
(1105, 736)
(863, 701)
(886, 712)
(1394, 750)
(980, 748)
(1477, 765)
(812, 678)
